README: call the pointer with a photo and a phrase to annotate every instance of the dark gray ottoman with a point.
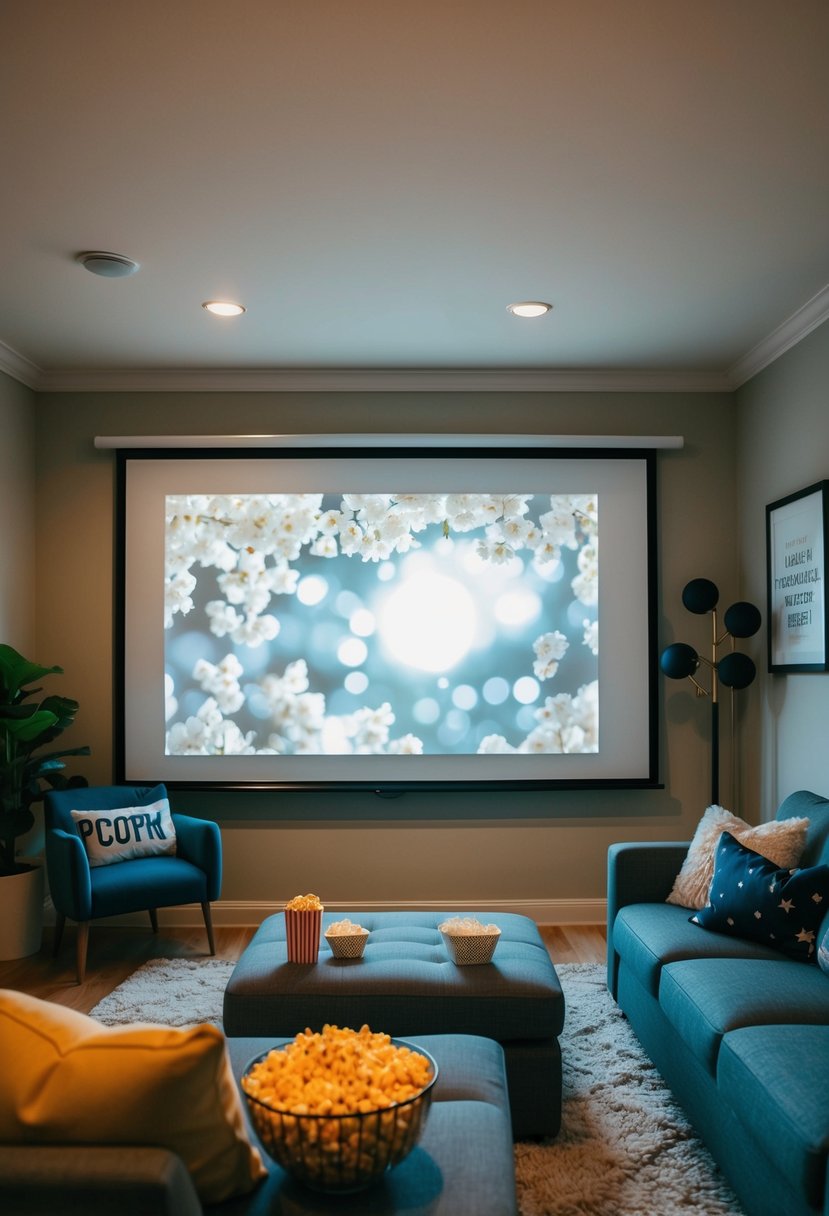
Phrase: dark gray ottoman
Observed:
(406, 985)
(463, 1165)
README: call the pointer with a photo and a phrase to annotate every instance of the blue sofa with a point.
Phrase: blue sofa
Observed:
(739, 1031)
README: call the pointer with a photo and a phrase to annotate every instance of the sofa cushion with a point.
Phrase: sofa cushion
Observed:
(704, 999)
(647, 936)
(782, 841)
(777, 1080)
(751, 897)
(76, 1081)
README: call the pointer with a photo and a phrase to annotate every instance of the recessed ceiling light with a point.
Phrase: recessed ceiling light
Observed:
(108, 265)
(223, 308)
(529, 308)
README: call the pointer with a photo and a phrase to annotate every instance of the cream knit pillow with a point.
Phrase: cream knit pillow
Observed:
(781, 841)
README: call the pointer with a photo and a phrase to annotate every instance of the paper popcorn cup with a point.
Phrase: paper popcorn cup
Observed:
(302, 931)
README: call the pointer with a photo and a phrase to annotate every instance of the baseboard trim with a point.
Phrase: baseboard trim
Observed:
(241, 913)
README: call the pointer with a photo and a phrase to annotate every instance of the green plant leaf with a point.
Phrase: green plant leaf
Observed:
(15, 671)
(26, 730)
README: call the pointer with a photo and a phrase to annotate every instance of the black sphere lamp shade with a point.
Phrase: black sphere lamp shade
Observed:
(678, 661)
(700, 595)
(742, 620)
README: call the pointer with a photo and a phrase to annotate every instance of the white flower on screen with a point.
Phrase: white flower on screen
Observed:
(546, 550)
(283, 579)
(330, 522)
(406, 745)
(542, 740)
(189, 738)
(586, 583)
(492, 745)
(221, 680)
(369, 508)
(170, 702)
(369, 728)
(227, 740)
(559, 525)
(223, 619)
(177, 596)
(591, 635)
(515, 504)
(374, 547)
(586, 510)
(496, 551)
(549, 648)
(517, 530)
(255, 630)
(324, 546)
(351, 537)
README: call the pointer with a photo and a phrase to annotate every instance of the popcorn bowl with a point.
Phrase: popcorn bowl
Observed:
(344, 1152)
(347, 945)
(471, 947)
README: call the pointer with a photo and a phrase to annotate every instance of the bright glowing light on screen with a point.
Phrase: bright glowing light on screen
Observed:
(428, 622)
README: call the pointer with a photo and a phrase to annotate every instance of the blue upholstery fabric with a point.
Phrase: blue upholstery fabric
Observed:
(647, 936)
(777, 1079)
(804, 802)
(463, 1165)
(704, 999)
(85, 893)
(405, 984)
(158, 882)
(638, 873)
(739, 1031)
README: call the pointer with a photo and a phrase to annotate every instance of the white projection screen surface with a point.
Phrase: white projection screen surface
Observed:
(422, 618)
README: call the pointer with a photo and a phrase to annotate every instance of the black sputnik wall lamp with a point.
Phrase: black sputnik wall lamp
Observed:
(733, 670)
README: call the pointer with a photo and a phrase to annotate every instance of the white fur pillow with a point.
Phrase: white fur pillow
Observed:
(781, 841)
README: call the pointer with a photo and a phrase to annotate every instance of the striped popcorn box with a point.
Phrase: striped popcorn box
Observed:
(303, 935)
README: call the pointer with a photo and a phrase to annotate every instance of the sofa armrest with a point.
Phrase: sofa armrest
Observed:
(200, 842)
(78, 1179)
(638, 873)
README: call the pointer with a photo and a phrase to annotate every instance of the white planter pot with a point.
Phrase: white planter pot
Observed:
(21, 913)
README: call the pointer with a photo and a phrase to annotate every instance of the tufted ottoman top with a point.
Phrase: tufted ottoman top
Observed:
(405, 983)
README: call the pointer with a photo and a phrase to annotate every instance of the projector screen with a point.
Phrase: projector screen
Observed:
(388, 619)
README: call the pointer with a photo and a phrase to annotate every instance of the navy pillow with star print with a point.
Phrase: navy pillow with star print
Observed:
(749, 897)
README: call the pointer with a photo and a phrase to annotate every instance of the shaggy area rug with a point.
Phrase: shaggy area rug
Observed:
(625, 1147)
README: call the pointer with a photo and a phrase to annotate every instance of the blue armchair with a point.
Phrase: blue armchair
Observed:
(86, 893)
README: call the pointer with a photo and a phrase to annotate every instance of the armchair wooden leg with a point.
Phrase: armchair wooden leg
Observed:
(208, 924)
(60, 922)
(153, 919)
(81, 948)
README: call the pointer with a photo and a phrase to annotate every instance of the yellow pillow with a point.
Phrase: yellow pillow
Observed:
(67, 1079)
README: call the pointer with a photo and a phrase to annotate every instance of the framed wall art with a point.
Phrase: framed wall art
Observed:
(796, 555)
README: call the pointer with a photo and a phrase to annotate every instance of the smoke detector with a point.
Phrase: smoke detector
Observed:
(108, 265)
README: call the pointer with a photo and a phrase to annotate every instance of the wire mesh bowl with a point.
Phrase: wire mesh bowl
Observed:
(468, 949)
(347, 945)
(341, 1153)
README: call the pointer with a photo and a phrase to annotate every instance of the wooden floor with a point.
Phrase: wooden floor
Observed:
(114, 953)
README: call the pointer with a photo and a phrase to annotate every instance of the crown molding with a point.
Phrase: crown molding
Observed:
(375, 380)
(19, 367)
(793, 330)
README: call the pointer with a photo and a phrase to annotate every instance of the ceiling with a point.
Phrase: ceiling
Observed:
(376, 181)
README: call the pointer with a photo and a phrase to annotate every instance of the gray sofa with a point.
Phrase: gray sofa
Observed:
(739, 1031)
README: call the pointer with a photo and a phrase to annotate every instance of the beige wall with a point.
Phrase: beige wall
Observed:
(784, 447)
(535, 849)
(17, 513)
